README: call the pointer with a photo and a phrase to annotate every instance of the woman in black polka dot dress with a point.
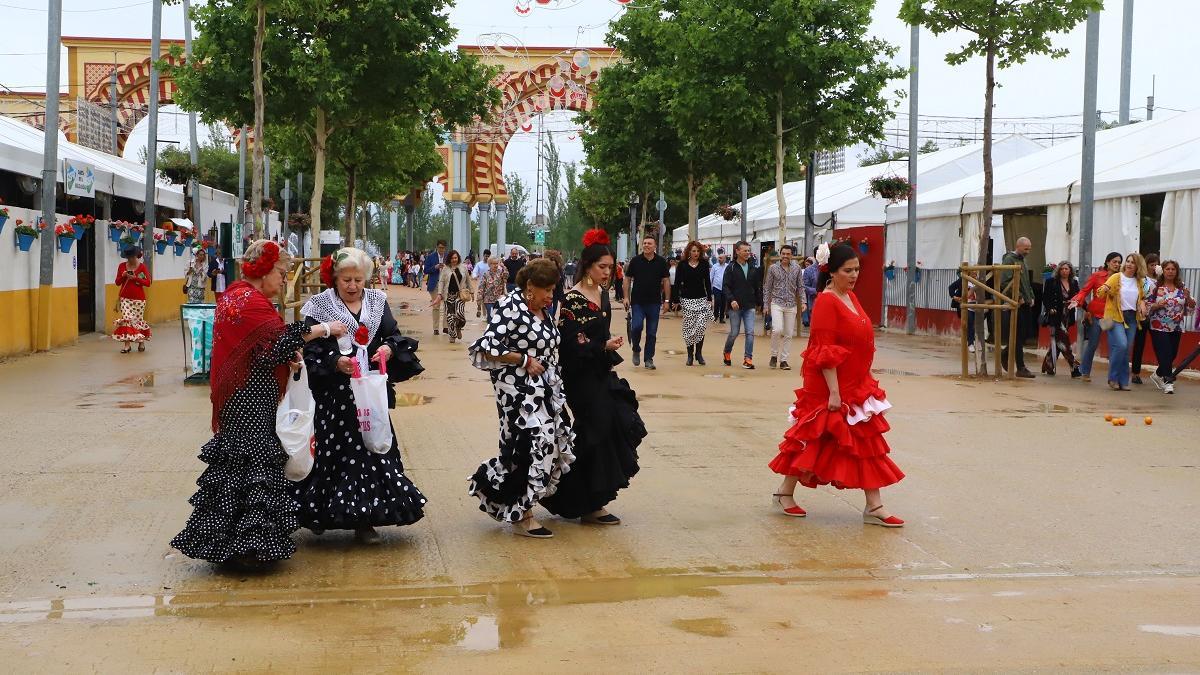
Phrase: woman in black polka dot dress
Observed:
(519, 348)
(243, 512)
(350, 487)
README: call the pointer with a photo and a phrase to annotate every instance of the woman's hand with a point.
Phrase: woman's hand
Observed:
(345, 365)
(614, 344)
(336, 328)
(835, 401)
(382, 354)
(437, 300)
(298, 362)
(534, 367)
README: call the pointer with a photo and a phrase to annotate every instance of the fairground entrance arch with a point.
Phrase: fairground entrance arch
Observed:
(532, 81)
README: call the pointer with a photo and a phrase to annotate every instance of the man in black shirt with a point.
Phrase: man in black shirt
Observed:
(513, 263)
(649, 277)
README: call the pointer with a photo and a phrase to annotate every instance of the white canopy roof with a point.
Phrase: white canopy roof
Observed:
(1136, 159)
(845, 193)
(21, 148)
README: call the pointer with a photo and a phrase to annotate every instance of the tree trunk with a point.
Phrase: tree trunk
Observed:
(985, 224)
(351, 186)
(645, 211)
(256, 186)
(693, 209)
(780, 200)
(320, 138)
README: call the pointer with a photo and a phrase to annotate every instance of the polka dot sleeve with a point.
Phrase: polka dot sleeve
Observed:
(494, 342)
(284, 348)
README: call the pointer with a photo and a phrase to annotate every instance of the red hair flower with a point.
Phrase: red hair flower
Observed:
(327, 271)
(265, 263)
(595, 236)
(361, 336)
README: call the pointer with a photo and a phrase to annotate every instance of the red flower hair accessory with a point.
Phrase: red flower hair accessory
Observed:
(595, 236)
(265, 263)
(327, 271)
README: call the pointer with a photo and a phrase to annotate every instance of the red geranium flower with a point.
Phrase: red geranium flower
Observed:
(593, 306)
(361, 336)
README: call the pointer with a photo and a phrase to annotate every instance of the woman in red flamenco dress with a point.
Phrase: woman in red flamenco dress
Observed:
(836, 436)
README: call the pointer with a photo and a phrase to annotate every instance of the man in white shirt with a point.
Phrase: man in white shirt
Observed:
(716, 278)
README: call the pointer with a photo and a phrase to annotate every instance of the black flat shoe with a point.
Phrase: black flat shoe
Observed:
(606, 519)
(539, 533)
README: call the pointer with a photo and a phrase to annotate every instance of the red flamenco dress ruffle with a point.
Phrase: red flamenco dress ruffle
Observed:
(843, 448)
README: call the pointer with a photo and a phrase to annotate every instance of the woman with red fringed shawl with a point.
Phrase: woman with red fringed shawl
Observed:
(243, 512)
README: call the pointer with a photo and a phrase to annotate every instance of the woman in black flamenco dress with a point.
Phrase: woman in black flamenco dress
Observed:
(350, 487)
(607, 426)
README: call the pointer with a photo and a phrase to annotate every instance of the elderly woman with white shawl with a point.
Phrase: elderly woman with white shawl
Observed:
(350, 487)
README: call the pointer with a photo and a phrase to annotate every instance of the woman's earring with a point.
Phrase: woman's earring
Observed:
(590, 282)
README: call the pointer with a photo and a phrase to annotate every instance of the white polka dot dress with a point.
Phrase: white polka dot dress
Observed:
(243, 509)
(536, 441)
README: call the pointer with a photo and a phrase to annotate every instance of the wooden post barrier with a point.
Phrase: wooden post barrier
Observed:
(994, 299)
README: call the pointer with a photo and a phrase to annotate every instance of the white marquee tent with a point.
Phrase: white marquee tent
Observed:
(1161, 156)
(845, 193)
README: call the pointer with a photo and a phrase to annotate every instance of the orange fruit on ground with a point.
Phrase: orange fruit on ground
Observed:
(1124, 421)
(1149, 421)
(1116, 423)
(1108, 418)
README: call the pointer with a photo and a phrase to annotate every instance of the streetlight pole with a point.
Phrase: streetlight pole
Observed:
(151, 212)
(1087, 178)
(194, 145)
(910, 319)
(49, 179)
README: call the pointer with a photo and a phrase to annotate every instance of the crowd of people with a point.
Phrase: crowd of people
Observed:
(1130, 300)
(569, 428)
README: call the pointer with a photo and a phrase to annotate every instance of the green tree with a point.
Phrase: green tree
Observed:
(1004, 33)
(328, 74)
(553, 181)
(519, 228)
(882, 155)
(816, 76)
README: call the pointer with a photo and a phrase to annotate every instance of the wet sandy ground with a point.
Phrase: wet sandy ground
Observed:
(1039, 537)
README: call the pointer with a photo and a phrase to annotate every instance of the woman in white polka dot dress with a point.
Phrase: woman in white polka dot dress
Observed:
(350, 487)
(519, 348)
(244, 513)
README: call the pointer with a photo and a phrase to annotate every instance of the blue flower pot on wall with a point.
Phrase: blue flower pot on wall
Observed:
(64, 244)
(171, 237)
(80, 230)
(160, 247)
(3, 220)
(25, 241)
(890, 274)
(114, 235)
(135, 236)
(179, 249)
(917, 276)
(863, 247)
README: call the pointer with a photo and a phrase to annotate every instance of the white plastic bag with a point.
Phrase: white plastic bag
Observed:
(294, 426)
(371, 399)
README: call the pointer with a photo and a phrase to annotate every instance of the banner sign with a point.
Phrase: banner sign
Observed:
(79, 179)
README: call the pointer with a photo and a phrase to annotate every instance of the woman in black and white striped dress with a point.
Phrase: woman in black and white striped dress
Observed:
(693, 289)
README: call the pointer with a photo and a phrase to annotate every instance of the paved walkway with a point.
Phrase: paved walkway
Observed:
(1039, 536)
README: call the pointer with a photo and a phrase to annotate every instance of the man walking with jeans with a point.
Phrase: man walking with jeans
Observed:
(741, 284)
(647, 290)
(784, 290)
(717, 279)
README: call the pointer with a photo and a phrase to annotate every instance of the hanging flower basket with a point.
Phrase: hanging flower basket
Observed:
(892, 188)
(3, 215)
(179, 248)
(864, 246)
(64, 243)
(727, 212)
(160, 246)
(890, 270)
(25, 241)
(27, 234)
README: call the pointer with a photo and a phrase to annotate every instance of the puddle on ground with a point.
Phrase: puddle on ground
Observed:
(724, 376)
(708, 627)
(128, 393)
(409, 400)
(480, 634)
(863, 594)
(670, 397)
(1173, 631)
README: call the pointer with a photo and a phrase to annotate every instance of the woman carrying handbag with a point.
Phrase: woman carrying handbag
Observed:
(455, 288)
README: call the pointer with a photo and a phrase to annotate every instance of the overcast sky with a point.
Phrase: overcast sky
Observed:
(1164, 45)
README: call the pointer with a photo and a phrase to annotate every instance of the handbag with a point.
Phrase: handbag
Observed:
(1107, 324)
(464, 293)
(294, 426)
(371, 400)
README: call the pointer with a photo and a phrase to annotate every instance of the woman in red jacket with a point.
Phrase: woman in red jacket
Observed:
(132, 279)
(1095, 310)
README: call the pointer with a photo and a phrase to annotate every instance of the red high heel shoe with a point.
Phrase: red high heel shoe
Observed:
(890, 521)
(793, 511)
